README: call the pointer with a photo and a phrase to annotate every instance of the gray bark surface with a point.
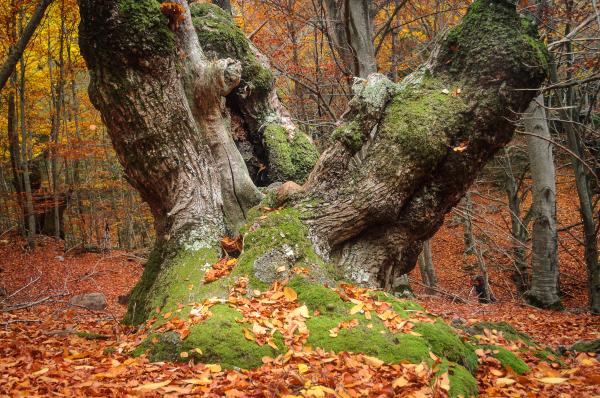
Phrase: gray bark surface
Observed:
(544, 263)
(351, 30)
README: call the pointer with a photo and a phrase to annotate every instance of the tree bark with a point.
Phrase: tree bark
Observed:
(351, 30)
(426, 267)
(405, 154)
(544, 264)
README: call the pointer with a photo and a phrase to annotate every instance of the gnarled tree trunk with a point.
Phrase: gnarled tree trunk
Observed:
(404, 155)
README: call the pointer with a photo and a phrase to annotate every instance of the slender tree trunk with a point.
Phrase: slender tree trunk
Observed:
(544, 264)
(575, 144)
(351, 29)
(403, 157)
(29, 214)
(518, 225)
(426, 267)
(16, 52)
(467, 219)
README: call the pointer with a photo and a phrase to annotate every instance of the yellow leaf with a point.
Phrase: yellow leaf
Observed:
(167, 315)
(496, 372)
(40, 372)
(290, 293)
(152, 386)
(197, 351)
(356, 309)
(248, 335)
(372, 361)
(231, 261)
(444, 381)
(302, 311)
(184, 354)
(198, 382)
(302, 368)
(504, 381)
(552, 380)
(214, 368)
(399, 382)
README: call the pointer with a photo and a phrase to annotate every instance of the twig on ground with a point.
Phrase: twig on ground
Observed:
(445, 293)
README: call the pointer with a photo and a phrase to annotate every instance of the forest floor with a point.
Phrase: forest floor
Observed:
(44, 349)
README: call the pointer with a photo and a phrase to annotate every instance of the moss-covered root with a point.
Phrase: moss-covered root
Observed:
(171, 277)
(462, 383)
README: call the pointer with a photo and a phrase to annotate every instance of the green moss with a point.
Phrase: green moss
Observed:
(145, 29)
(289, 159)
(402, 307)
(509, 333)
(462, 383)
(417, 123)
(220, 338)
(318, 297)
(587, 346)
(508, 40)
(92, 336)
(445, 343)
(376, 341)
(219, 36)
(508, 359)
(349, 134)
(156, 287)
(549, 356)
(277, 239)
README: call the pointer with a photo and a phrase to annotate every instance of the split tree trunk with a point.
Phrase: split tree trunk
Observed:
(544, 265)
(405, 154)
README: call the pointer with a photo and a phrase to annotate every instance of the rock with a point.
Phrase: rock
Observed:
(91, 301)
(286, 191)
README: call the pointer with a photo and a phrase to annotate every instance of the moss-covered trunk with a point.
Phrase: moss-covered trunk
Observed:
(403, 157)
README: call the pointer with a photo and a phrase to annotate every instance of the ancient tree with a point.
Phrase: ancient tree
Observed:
(176, 86)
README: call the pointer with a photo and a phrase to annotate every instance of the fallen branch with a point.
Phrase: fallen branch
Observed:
(445, 293)
(5, 324)
(23, 306)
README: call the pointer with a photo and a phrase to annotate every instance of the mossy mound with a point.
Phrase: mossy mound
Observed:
(509, 332)
(462, 383)
(587, 346)
(219, 339)
(445, 343)
(508, 359)
(277, 250)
